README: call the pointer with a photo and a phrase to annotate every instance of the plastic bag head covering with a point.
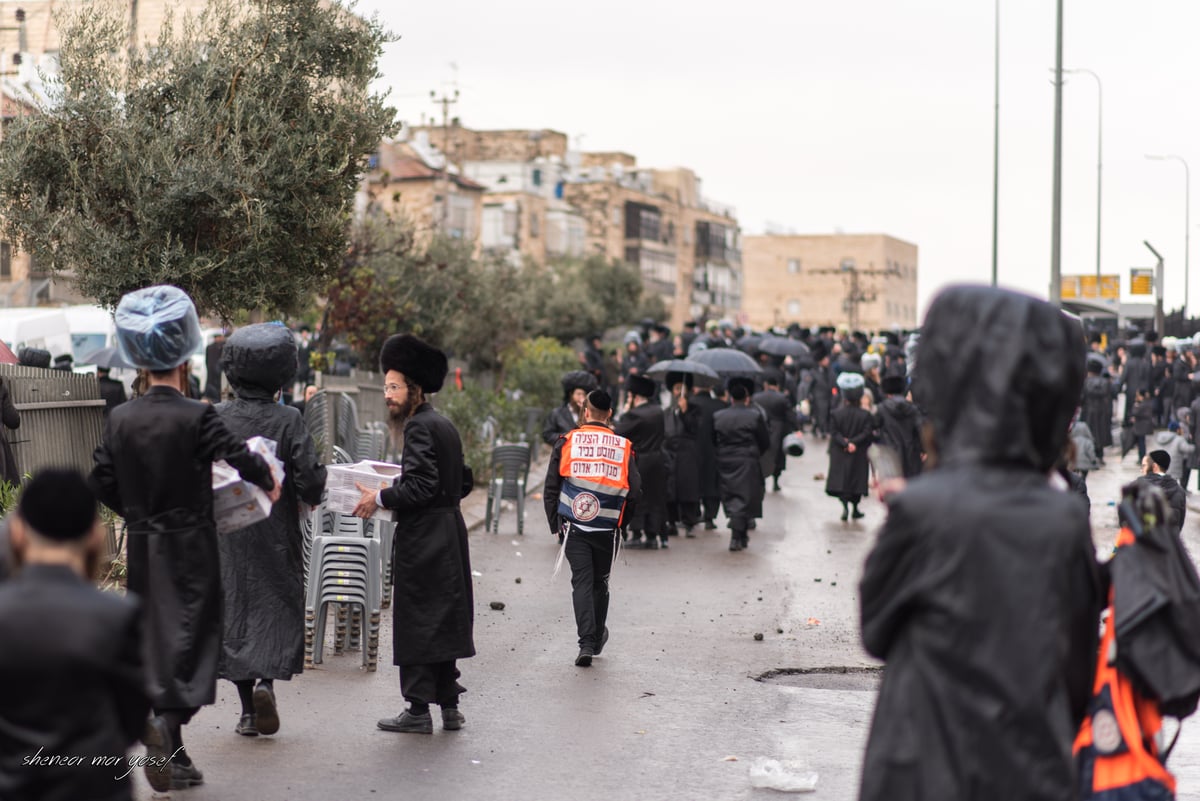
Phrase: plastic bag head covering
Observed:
(157, 328)
(999, 374)
(259, 360)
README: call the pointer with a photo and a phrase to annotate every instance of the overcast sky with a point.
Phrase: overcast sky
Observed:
(857, 115)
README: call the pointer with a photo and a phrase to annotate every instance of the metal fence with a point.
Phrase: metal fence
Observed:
(62, 417)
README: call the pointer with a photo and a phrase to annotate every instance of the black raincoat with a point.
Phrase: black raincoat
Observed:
(433, 606)
(741, 436)
(898, 424)
(1135, 377)
(982, 592)
(681, 453)
(781, 421)
(1097, 410)
(154, 468)
(643, 427)
(262, 565)
(849, 473)
(706, 445)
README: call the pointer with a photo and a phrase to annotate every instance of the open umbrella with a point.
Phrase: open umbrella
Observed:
(727, 362)
(107, 357)
(749, 343)
(682, 366)
(782, 346)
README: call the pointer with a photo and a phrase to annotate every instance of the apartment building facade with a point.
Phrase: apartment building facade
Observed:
(863, 281)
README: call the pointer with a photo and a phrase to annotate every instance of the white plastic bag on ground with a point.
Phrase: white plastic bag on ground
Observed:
(787, 776)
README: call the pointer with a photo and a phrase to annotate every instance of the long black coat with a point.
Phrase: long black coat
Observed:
(849, 473)
(741, 436)
(154, 468)
(433, 605)
(982, 592)
(558, 422)
(708, 406)
(681, 453)
(899, 427)
(1135, 377)
(820, 395)
(1097, 409)
(781, 421)
(643, 427)
(262, 566)
(986, 684)
(12, 419)
(73, 685)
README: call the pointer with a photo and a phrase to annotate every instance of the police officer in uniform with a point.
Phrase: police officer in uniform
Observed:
(591, 482)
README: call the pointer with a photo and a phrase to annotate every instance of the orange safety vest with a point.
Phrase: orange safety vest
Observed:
(1118, 757)
(595, 471)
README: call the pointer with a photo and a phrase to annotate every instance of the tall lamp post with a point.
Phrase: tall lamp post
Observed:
(1187, 223)
(1099, 157)
(1056, 201)
(996, 159)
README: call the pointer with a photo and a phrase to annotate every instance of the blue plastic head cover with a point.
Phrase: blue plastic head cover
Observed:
(157, 327)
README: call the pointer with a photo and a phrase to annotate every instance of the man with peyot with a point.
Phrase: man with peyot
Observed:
(433, 605)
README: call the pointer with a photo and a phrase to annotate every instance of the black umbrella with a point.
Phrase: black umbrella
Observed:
(782, 346)
(689, 366)
(107, 357)
(749, 343)
(727, 362)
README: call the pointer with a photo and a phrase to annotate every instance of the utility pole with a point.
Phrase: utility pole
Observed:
(996, 161)
(1056, 213)
(445, 101)
(1158, 289)
(856, 295)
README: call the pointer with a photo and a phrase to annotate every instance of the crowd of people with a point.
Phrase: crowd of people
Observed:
(982, 593)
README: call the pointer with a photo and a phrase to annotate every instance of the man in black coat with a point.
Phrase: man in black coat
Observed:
(1097, 405)
(982, 593)
(681, 452)
(112, 390)
(1154, 472)
(1135, 377)
(561, 419)
(898, 424)
(820, 392)
(642, 424)
(212, 368)
(741, 438)
(154, 468)
(71, 680)
(433, 604)
(710, 490)
(781, 421)
(262, 565)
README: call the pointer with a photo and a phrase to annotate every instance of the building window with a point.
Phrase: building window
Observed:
(793, 266)
(793, 308)
(537, 177)
(5, 261)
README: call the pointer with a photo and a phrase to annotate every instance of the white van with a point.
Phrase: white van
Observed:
(36, 327)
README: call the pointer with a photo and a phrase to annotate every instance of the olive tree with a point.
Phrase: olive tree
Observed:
(223, 158)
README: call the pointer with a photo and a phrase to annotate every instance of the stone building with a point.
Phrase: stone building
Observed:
(864, 281)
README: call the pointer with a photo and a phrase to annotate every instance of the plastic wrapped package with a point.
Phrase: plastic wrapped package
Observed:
(785, 776)
(261, 356)
(157, 328)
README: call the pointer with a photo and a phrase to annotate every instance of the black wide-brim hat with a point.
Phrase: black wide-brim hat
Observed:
(640, 385)
(416, 360)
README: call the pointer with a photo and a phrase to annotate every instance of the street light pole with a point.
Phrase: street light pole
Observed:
(1099, 159)
(1158, 288)
(1056, 213)
(996, 159)
(1187, 223)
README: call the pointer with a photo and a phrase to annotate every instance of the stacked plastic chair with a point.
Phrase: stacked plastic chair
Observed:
(510, 470)
(345, 571)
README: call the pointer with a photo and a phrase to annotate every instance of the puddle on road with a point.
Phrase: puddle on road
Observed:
(838, 677)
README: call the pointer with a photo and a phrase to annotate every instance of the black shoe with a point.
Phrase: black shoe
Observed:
(185, 776)
(857, 515)
(408, 722)
(710, 525)
(265, 713)
(776, 488)
(246, 726)
(651, 544)
(845, 515)
(603, 642)
(663, 544)
(159, 749)
(689, 533)
(753, 525)
(735, 543)
(585, 657)
(452, 719)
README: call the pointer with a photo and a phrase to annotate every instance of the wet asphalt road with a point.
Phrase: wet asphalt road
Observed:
(674, 709)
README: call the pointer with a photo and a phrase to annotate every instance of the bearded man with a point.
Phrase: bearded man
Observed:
(433, 603)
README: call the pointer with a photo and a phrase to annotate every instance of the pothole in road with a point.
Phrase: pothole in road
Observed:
(838, 677)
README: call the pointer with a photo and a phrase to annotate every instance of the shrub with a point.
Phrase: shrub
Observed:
(535, 368)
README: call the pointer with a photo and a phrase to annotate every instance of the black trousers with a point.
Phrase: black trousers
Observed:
(686, 513)
(712, 506)
(435, 683)
(591, 555)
